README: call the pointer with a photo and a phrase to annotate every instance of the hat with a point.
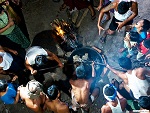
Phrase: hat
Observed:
(123, 7)
(41, 60)
(34, 88)
(111, 89)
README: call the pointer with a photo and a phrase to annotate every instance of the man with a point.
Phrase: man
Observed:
(81, 95)
(124, 13)
(33, 52)
(12, 64)
(116, 103)
(135, 79)
(54, 103)
(33, 96)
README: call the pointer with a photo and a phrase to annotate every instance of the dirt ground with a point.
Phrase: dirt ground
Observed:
(38, 15)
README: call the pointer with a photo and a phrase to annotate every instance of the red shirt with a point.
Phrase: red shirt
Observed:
(142, 48)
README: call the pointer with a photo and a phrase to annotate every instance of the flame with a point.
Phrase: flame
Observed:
(60, 32)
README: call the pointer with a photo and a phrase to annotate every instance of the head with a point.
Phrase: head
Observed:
(123, 7)
(125, 63)
(80, 71)
(53, 92)
(1, 9)
(144, 102)
(3, 85)
(110, 92)
(143, 24)
(34, 88)
(41, 60)
(134, 36)
(146, 43)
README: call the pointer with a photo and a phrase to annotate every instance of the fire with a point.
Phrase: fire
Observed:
(60, 32)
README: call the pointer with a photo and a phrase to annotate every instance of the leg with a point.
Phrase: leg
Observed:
(93, 14)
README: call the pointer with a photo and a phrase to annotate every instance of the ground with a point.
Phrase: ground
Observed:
(38, 15)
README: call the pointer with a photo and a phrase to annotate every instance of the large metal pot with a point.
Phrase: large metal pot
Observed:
(93, 55)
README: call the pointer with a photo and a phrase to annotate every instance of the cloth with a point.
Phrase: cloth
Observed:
(33, 52)
(113, 25)
(143, 34)
(7, 60)
(18, 37)
(9, 97)
(3, 22)
(138, 87)
(116, 109)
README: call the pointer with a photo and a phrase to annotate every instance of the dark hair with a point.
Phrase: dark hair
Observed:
(125, 63)
(144, 102)
(134, 36)
(3, 85)
(146, 43)
(109, 91)
(80, 71)
(146, 24)
(123, 7)
(52, 92)
(1, 9)
(41, 60)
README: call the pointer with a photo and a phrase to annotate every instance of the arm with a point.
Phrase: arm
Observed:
(10, 23)
(100, 4)
(18, 95)
(105, 9)
(9, 50)
(52, 56)
(93, 70)
(29, 67)
(118, 73)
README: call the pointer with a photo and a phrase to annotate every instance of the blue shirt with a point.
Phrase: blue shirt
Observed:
(9, 97)
(143, 34)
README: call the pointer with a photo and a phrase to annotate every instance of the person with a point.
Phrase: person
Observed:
(81, 93)
(102, 4)
(140, 86)
(14, 8)
(9, 29)
(124, 13)
(54, 103)
(34, 52)
(9, 92)
(138, 32)
(33, 96)
(144, 102)
(116, 103)
(78, 5)
(12, 64)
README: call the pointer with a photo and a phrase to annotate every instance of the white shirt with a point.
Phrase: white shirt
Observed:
(33, 52)
(7, 60)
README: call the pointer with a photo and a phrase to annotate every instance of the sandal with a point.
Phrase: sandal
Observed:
(93, 17)
(147, 64)
(62, 7)
(103, 39)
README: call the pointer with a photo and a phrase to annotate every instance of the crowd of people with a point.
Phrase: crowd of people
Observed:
(81, 84)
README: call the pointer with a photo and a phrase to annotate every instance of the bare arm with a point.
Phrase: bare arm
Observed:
(10, 23)
(105, 9)
(29, 67)
(9, 50)
(52, 56)
(118, 73)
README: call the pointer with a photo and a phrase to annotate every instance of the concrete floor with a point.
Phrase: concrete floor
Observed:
(38, 15)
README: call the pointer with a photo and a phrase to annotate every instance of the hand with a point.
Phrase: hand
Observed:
(99, 8)
(11, 23)
(100, 28)
(14, 78)
(33, 72)
(120, 25)
(18, 89)
(147, 56)
(14, 52)
(60, 65)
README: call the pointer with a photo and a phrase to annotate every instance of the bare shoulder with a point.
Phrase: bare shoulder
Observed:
(63, 108)
(106, 109)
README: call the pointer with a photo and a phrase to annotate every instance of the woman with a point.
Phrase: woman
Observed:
(10, 30)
